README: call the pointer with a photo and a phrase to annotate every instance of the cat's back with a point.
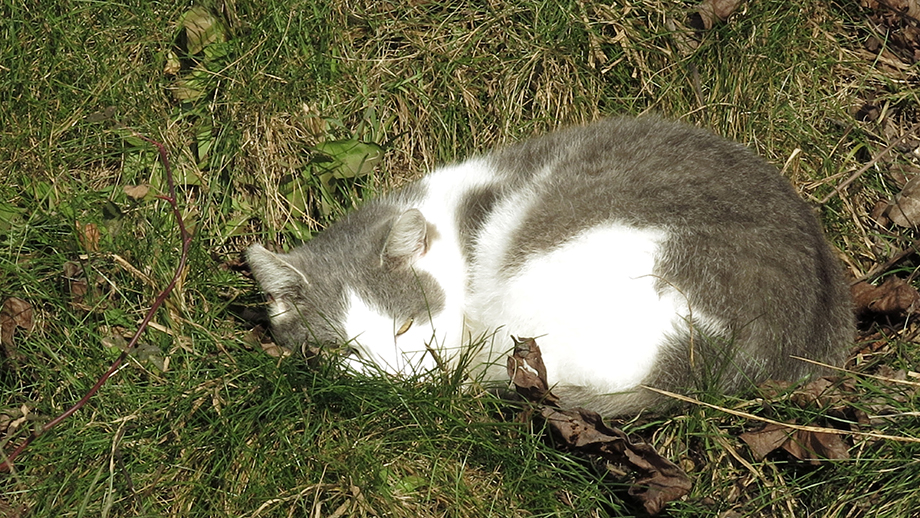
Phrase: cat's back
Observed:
(670, 172)
(644, 173)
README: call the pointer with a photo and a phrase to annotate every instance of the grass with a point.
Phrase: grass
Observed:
(226, 430)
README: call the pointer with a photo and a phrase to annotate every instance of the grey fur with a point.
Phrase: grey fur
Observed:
(743, 246)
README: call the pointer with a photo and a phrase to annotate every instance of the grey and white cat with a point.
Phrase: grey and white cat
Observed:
(637, 251)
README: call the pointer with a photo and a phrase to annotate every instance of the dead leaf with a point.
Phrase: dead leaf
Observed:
(660, 481)
(904, 211)
(902, 173)
(804, 445)
(577, 429)
(765, 440)
(136, 192)
(104, 115)
(820, 393)
(88, 235)
(15, 313)
(890, 374)
(714, 11)
(878, 212)
(823, 393)
(11, 419)
(893, 297)
(276, 351)
(76, 282)
(173, 65)
(812, 447)
(258, 337)
(528, 373)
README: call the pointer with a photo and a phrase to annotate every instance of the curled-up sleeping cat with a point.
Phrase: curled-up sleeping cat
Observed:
(637, 251)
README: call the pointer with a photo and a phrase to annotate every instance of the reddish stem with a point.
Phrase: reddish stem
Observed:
(186, 242)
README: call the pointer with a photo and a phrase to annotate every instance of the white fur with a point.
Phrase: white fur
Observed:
(570, 298)
(375, 334)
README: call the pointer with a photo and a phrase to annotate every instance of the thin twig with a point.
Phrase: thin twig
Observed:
(804, 428)
(8, 459)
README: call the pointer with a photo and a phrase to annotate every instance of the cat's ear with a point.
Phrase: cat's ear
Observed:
(407, 240)
(274, 274)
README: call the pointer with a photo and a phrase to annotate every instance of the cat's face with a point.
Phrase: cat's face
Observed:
(357, 287)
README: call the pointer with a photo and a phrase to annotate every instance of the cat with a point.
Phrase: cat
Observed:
(638, 251)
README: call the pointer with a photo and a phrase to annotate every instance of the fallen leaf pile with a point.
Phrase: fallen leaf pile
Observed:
(660, 481)
(839, 399)
(804, 445)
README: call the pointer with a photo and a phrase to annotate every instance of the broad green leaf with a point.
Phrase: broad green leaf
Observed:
(111, 211)
(192, 86)
(349, 158)
(217, 53)
(132, 139)
(202, 29)
(138, 165)
(296, 196)
(410, 484)
(9, 215)
(41, 190)
(204, 137)
(234, 226)
(299, 230)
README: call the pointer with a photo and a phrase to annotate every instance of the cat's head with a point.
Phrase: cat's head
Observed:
(361, 284)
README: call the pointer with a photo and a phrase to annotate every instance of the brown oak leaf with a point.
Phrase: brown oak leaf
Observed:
(660, 481)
